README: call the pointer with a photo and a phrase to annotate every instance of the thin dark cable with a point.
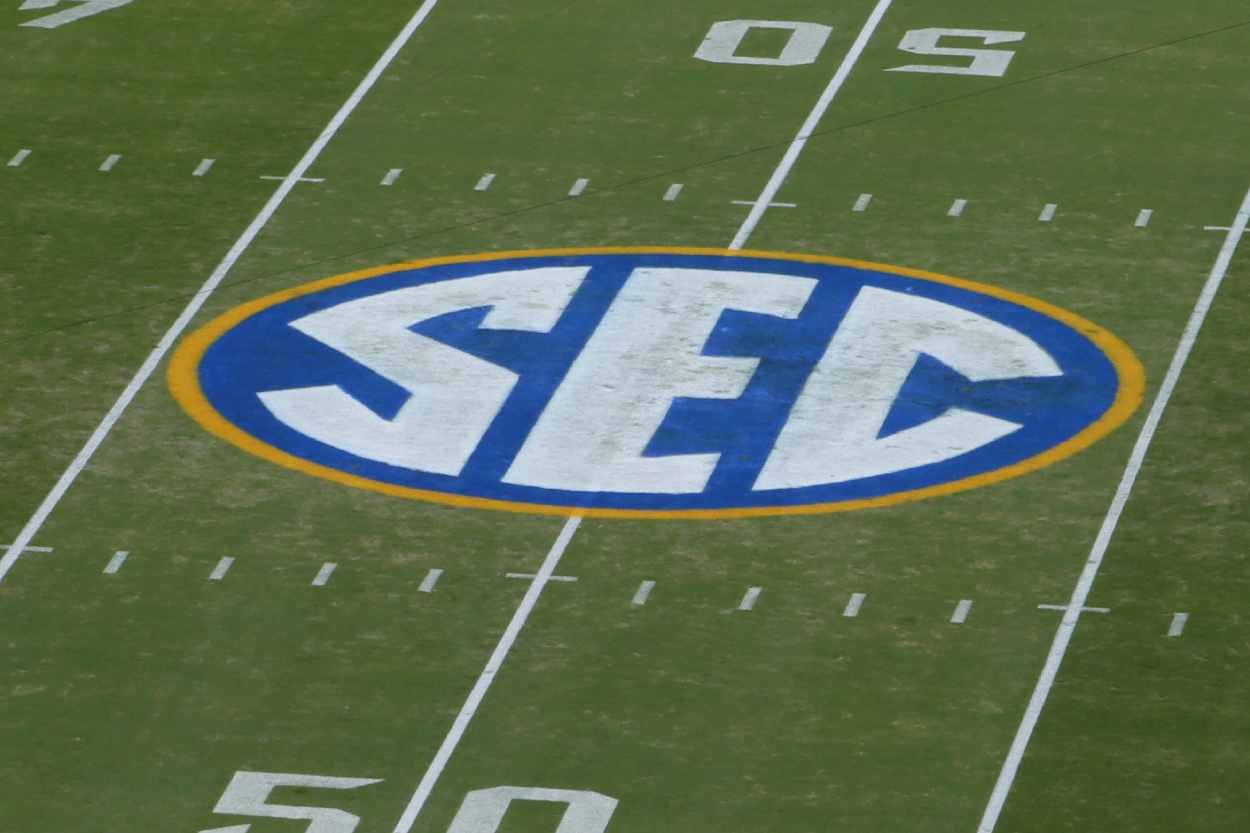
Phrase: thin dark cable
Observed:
(620, 185)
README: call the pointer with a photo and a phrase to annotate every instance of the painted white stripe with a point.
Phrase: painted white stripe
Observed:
(957, 208)
(1086, 581)
(391, 176)
(673, 191)
(1083, 610)
(644, 591)
(223, 567)
(484, 182)
(301, 179)
(214, 280)
(578, 187)
(431, 579)
(752, 595)
(809, 126)
(18, 158)
(861, 204)
(203, 167)
(116, 562)
(27, 549)
(1178, 624)
(771, 205)
(1048, 213)
(961, 611)
(853, 606)
(443, 755)
(535, 575)
(323, 575)
(113, 159)
(1143, 217)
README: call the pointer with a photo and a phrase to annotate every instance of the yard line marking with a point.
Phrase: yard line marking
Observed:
(431, 579)
(1178, 624)
(957, 208)
(26, 549)
(223, 567)
(672, 192)
(535, 575)
(18, 158)
(323, 575)
(484, 182)
(853, 606)
(285, 178)
(809, 126)
(578, 187)
(1143, 217)
(487, 677)
(1217, 228)
(644, 590)
(203, 167)
(1083, 610)
(961, 612)
(752, 595)
(391, 176)
(1048, 213)
(861, 204)
(241, 245)
(1086, 581)
(116, 562)
(770, 205)
(113, 159)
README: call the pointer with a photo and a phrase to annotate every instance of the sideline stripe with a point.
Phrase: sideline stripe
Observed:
(487, 677)
(18, 158)
(116, 562)
(809, 126)
(175, 330)
(1080, 594)
(431, 579)
(1178, 624)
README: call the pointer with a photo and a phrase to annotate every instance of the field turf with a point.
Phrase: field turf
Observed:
(128, 701)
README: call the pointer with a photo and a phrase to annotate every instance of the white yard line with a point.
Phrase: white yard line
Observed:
(1178, 624)
(487, 677)
(391, 176)
(1048, 213)
(111, 161)
(545, 574)
(644, 592)
(961, 612)
(203, 167)
(957, 208)
(578, 187)
(484, 182)
(853, 606)
(673, 191)
(116, 562)
(431, 579)
(1143, 217)
(18, 158)
(323, 575)
(752, 596)
(175, 330)
(813, 120)
(223, 567)
(1085, 583)
(861, 204)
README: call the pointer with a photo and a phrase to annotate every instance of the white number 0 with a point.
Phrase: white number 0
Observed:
(991, 62)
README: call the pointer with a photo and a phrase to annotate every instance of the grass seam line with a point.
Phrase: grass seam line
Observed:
(1084, 584)
(189, 312)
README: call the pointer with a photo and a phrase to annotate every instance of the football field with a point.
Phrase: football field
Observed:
(459, 416)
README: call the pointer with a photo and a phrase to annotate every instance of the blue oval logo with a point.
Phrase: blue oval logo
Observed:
(656, 382)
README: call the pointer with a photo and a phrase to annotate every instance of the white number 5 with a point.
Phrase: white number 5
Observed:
(248, 795)
(991, 62)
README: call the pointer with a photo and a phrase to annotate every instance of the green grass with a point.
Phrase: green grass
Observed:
(127, 702)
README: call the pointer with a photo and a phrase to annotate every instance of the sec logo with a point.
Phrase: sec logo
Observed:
(656, 382)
